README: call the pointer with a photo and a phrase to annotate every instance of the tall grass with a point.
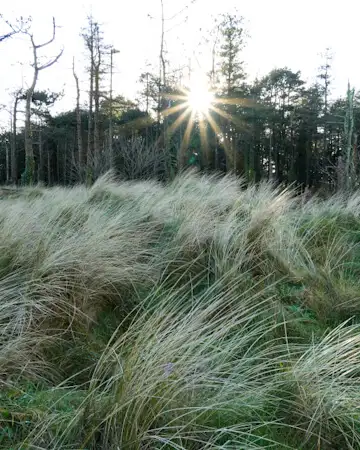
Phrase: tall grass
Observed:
(200, 314)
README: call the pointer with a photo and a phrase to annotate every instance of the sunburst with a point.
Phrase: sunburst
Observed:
(199, 105)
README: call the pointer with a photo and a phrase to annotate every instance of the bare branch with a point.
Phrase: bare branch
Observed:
(22, 26)
(52, 38)
(51, 62)
(6, 36)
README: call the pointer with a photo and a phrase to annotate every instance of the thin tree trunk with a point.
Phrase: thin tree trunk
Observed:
(111, 151)
(91, 100)
(161, 63)
(41, 158)
(58, 158)
(81, 153)
(14, 165)
(7, 162)
(29, 151)
(49, 167)
(97, 67)
(269, 157)
(96, 117)
(65, 162)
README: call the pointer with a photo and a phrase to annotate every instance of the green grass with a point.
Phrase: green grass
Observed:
(196, 315)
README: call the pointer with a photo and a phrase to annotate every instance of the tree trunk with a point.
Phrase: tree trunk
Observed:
(41, 174)
(7, 162)
(29, 151)
(58, 159)
(269, 158)
(90, 120)
(14, 165)
(81, 153)
(65, 162)
(162, 73)
(49, 167)
(96, 117)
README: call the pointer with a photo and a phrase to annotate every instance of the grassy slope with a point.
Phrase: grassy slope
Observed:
(199, 315)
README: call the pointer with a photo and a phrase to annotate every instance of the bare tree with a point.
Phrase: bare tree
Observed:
(29, 151)
(97, 72)
(89, 39)
(325, 76)
(81, 155)
(94, 43)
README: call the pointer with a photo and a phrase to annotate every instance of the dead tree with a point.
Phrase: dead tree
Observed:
(81, 155)
(29, 151)
(97, 73)
(89, 39)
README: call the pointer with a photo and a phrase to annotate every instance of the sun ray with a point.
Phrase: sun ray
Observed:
(245, 102)
(213, 124)
(204, 138)
(235, 120)
(178, 121)
(219, 132)
(174, 109)
(177, 97)
(223, 114)
(186, 139)
(188, 130)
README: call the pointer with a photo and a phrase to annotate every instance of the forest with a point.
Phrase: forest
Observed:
(276, 127)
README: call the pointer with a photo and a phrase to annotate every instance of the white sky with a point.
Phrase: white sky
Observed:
(282, 33)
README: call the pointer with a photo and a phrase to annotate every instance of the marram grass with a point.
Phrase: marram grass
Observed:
(198, 315)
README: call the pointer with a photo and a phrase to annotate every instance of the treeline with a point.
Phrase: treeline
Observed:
(276, 127)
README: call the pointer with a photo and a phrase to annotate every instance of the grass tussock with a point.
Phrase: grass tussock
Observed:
(198, 315)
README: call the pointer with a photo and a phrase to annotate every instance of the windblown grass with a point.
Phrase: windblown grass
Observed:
(197, 315)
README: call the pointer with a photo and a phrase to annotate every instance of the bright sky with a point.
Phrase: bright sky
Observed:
(282, 33)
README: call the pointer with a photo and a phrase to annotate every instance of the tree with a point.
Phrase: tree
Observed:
(29, 173)
(309, 164)
(80, 149)
(232, 34)
(349, 141)
(98, 54)
(325, 77)
(232, 73)
(96, 48)
(113, 51)
(281, 92)
(89, 38)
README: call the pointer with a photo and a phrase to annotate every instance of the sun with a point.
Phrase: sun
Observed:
(199, 96)
(197, 106)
